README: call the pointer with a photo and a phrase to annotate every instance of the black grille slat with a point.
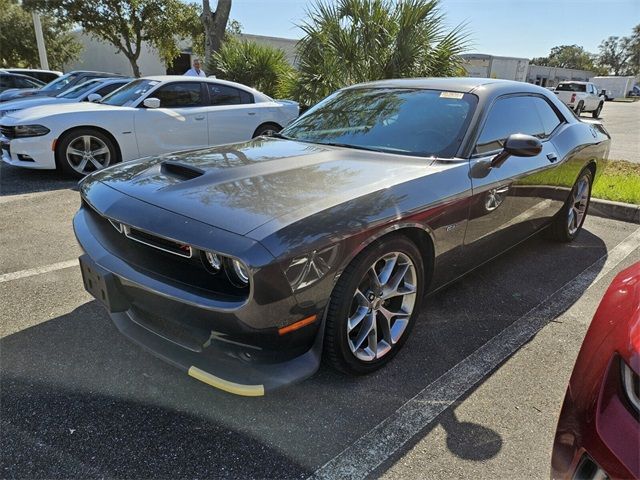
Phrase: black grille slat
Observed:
(158, 242)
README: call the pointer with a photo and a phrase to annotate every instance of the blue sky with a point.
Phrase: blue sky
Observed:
(520, 28)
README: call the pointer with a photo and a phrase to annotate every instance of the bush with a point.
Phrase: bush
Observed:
(259, 66)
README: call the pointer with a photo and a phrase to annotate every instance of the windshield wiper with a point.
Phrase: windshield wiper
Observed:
(279, 135)
(348, 145)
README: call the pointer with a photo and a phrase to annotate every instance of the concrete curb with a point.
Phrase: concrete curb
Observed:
(625, 212)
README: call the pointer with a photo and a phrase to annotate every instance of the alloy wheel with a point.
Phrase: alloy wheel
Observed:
(578, 205)
(86, 154)
(382, 306)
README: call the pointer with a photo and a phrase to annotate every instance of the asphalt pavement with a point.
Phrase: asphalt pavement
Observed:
(474, 393)
(622, 121)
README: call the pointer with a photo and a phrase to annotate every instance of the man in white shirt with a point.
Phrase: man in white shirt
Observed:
(196, 71)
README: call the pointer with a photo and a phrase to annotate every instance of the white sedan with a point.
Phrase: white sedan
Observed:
(149, 116)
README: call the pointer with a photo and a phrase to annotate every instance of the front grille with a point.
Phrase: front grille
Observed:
(8, 132)
(155, 241)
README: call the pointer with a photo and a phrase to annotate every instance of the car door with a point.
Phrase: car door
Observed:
(233, 115)
(512, 201)
(180, 123)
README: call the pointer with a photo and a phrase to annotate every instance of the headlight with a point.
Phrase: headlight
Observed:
(240, 273)
(30, 130)
(213, 260)
(631, 384)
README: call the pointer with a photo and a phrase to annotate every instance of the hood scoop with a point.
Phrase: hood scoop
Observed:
(180, 170)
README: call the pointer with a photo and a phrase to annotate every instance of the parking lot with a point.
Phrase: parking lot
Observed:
(475, 392)
(622, 120)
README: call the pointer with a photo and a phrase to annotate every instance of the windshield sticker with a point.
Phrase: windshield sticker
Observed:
(456, 95)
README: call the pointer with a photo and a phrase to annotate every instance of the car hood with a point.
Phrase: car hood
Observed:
(45, 111)
(241, 187)
(29, 102)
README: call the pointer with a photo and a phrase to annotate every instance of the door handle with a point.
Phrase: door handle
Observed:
(251, 113)
(552, 157)
(201, 117)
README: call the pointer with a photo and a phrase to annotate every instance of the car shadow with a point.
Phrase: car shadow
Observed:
(134, 416)
(16, 180)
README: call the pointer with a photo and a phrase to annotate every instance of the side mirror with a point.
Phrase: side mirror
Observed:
(94, 97)
(517, 145)
(603, 92)
(151, 102)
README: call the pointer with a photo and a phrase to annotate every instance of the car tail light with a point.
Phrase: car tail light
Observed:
(573, 98)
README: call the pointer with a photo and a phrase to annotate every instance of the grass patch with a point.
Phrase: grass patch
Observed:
(619, 180)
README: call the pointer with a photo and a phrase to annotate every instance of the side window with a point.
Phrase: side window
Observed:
(108, 89)
(179, 94)
(5, 81)
(509, 115)
(548, 115)
(225, 95)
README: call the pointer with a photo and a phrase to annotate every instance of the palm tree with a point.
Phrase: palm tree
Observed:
(352, 41)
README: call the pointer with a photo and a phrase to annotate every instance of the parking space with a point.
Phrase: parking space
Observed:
(622, 120)
(475, 392)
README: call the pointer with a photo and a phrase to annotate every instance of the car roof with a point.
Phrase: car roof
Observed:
(182, 78)
(574, 81)
(454, 84)
(92, 72)
(14, 70)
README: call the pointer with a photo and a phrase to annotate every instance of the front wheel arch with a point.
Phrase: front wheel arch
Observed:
(266, 126)
(83, 127)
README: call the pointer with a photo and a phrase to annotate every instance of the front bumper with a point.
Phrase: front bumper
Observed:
(29, 152)
(231, 344)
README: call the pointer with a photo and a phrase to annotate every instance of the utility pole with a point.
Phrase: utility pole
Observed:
(42, 51)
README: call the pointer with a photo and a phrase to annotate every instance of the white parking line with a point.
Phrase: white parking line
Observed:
(7, 277)
(372, 449)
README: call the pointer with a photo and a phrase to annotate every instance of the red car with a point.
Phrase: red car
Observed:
(598, 433)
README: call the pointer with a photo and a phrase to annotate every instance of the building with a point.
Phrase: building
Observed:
(491, 66)
(513, 68)
(551, 76)
(102, 56)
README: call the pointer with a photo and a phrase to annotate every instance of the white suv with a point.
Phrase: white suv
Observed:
(581, 97)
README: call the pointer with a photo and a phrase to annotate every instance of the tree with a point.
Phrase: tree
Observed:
(18, 39)
(615, 53)
(126, 24)
(259, 66)
(634, 48)
(567, 56)
(351, 41)
(215, 25)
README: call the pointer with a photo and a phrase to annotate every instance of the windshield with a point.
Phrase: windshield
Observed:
(128, 94)
(571, 87)
(407, 121)
(59, 82)
(79, 90)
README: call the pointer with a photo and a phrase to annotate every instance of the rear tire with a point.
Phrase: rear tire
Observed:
(579, 108)
(597, 111)
(85, 150)
(568, 222)
(369, 320)
(266, 129)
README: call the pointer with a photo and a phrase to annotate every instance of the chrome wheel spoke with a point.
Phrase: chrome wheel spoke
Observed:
(390, 288)
(357, 318)
(95, 163)
(100, 151)
(82, 165)
(75, 151)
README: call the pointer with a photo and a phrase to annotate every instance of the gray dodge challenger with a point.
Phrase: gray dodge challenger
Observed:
(245, 265)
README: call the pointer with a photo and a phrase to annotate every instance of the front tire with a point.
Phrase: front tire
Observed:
(568, 223)
(84, 151)
(373, 306)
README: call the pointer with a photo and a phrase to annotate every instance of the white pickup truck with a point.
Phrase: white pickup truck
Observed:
(581, 97)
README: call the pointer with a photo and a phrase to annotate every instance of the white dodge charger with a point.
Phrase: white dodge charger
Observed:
(148, 116)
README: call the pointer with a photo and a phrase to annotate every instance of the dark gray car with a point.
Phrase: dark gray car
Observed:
(245, 264)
